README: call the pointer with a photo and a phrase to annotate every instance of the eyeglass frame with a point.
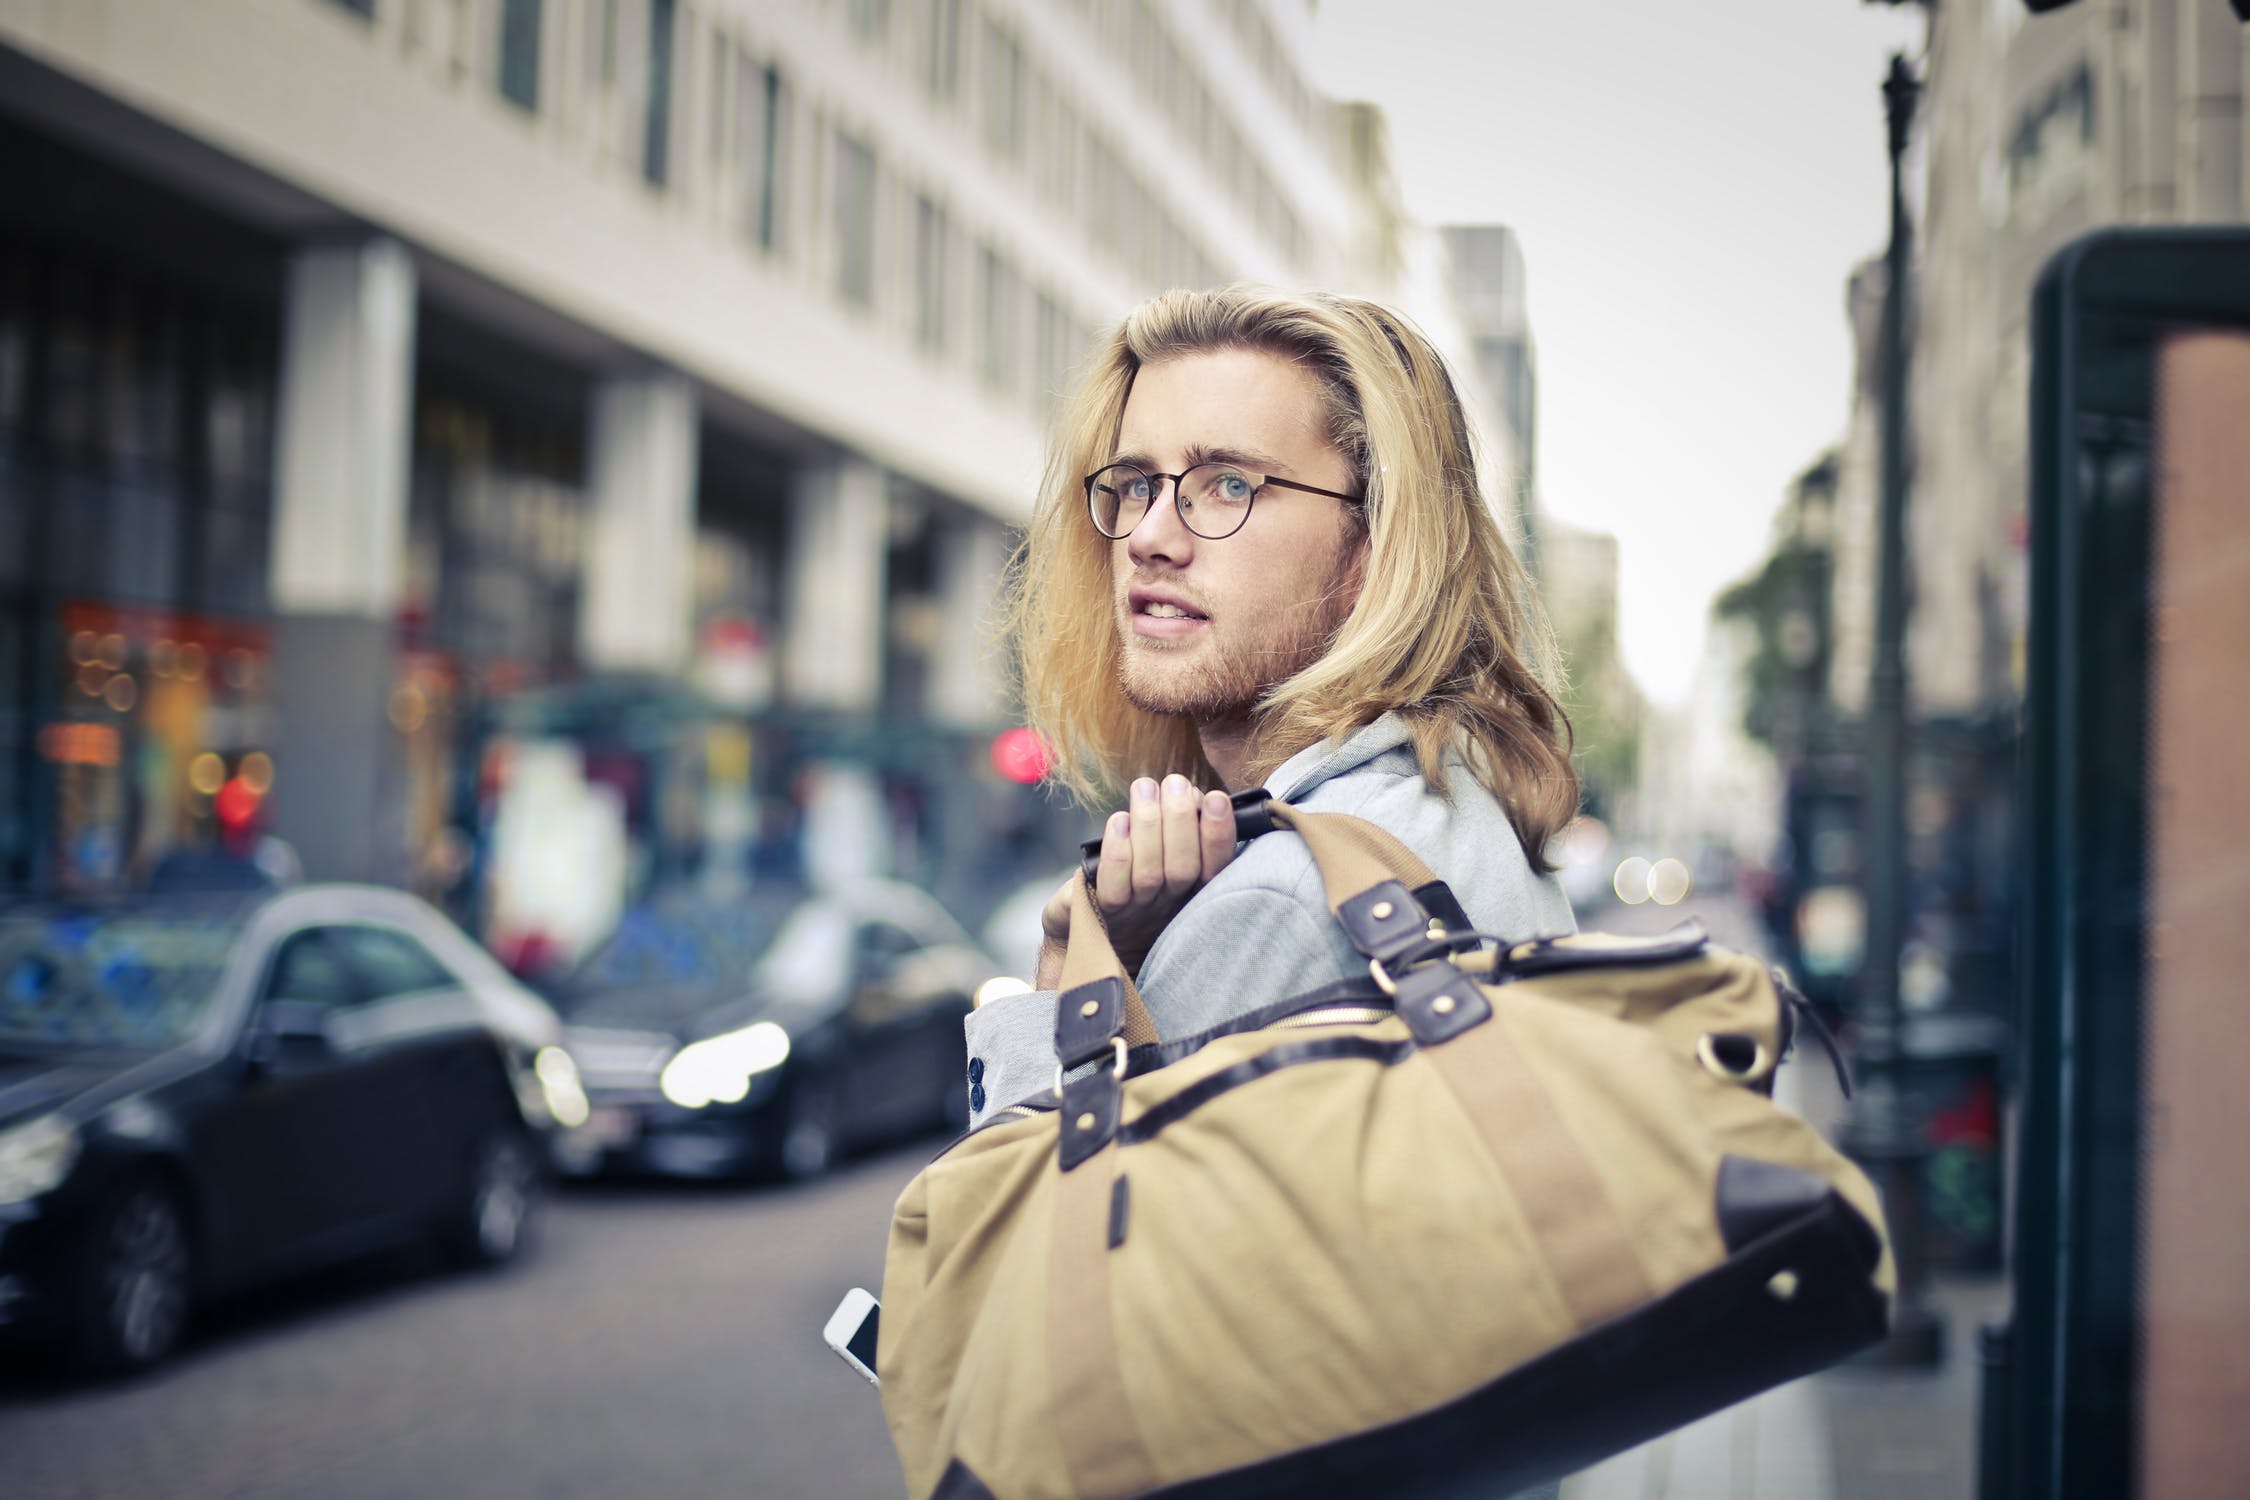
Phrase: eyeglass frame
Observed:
(1288, 484)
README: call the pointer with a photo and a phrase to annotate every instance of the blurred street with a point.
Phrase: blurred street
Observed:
(658, 1341)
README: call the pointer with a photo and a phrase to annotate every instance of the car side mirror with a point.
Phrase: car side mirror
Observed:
(285, 1029)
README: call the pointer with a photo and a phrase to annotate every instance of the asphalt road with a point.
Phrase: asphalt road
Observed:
(659, 1341)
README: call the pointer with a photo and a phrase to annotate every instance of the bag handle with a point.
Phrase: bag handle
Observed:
(1363, 868)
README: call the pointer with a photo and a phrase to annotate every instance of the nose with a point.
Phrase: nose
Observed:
(1160, 535)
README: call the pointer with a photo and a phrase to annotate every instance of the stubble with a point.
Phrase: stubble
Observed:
(1239, 666)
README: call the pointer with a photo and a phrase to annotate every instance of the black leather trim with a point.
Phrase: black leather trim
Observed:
(1253, 813)
(1080, 1038)
(1552, 955)
(1438, 1002)
(1757, 1197)
(957, 1483)
(1094, 1098)
(1354, 989)
(1438, 900)
(1290, 1054)
(1120, 1211)
(1710, 1343)
(1402, 925)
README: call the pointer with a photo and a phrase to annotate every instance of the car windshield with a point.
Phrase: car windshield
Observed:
(134, 978)
(699, 943)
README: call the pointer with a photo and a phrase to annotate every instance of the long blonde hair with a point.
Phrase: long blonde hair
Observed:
(1446, 630)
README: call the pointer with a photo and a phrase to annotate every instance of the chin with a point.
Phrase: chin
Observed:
(1179, 689)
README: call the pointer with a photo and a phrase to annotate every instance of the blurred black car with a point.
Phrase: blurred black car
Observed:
(197, 1095)
(772, 1030)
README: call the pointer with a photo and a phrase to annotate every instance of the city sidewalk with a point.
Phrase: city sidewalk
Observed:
(1856, 1432)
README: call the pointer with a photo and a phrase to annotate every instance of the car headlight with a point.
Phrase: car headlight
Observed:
(35, 1158)
(718, 1069)
(560, 1086)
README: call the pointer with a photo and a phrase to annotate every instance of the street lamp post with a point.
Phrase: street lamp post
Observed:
(1884, 1132)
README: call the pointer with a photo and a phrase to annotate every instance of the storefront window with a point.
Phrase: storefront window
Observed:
(135, 502)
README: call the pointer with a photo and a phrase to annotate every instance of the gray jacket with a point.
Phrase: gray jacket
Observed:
(1261, 931)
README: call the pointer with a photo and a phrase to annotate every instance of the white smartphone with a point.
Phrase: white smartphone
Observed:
(851, 1332)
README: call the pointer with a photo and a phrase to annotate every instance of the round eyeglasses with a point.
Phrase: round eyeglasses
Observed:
(1213, 499)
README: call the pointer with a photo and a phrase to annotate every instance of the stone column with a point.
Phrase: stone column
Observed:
(640, 545)
(968, 677)
(832, 651)
(341, 463)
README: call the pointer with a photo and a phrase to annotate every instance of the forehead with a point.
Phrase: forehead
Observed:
(1224, 398)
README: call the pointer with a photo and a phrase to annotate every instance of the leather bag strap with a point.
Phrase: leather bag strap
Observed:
(1089, 957)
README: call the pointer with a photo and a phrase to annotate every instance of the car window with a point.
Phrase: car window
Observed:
(389, 963)
(123, 978)
(308, 968)
(881, 945)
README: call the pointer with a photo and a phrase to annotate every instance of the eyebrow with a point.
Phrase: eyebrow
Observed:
(1198, 453)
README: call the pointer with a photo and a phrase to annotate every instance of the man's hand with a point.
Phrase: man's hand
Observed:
(1155, 855)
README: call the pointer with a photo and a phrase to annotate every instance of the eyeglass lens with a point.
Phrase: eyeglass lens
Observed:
(1214, 499)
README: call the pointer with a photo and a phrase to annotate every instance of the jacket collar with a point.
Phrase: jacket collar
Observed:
(1314, 764)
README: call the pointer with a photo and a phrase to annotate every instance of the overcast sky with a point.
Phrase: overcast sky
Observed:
(1692, 184)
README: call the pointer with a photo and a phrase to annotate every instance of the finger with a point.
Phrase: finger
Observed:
(1054, 917)
(1148, 838)
(1183, 854)
(1113, 877)
(1217, 833)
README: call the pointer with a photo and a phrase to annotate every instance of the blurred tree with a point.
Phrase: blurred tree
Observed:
(1605, 711)
(1786, 605)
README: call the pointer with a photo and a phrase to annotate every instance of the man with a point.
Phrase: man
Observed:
(1261, 558)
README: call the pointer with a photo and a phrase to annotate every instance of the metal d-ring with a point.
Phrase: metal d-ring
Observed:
(1116, 1068)
(1707, 1053)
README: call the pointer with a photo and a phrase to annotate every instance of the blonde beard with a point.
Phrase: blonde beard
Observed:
(1240, 674)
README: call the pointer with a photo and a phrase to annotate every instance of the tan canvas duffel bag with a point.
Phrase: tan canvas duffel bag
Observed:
(1511, 1212)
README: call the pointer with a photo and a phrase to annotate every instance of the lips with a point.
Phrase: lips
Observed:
(1159, 604)
(1163, 615)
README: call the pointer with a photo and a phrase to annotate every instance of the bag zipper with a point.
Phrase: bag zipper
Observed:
(1333, 1015)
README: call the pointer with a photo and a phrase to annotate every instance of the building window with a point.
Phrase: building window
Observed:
(855, 221)
(605, 50)
(765, 98)
(364, 9)
(932, 257)
(945, 50)
(871, 18)
(1052, 341)
(656, 127)
(519, 52)
(1003, 92)
(996, 319)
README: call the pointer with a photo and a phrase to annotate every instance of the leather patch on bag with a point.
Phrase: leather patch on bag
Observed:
(1756, 1198)
(1384, 921)
(1120, 1209)
(1438, 1002)
(958, 1483)
(1090, 1107)
(1086, 1017)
